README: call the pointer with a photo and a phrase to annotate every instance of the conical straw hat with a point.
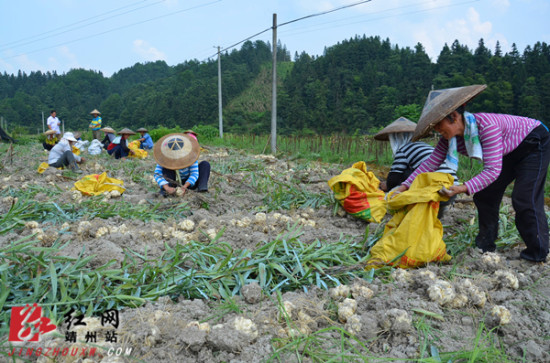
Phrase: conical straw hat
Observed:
(107, 129)
(49, 132)
(126, 131)
(142, 129)
(441, 103)
(176, 151)
(402, 124)
(95, 111)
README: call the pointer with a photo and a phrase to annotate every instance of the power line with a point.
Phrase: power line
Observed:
(76, 25)
(114, 29)
(325, 12)
(292, 21)
(291, 32)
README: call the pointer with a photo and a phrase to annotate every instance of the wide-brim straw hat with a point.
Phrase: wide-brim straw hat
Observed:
(440, 103)
(142, 129)
(190, 132)
(95, 112)
(108, 129)
(126, 131)
(402, 124)
(49, 132)
(176, 151)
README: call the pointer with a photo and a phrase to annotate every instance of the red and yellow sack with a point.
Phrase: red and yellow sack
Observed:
(357, 191)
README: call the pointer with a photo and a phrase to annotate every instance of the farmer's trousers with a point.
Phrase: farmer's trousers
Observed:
(202, 182)
(528, 166)
(118, 152)
(66, 159)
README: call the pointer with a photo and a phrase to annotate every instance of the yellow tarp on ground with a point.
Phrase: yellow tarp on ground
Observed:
(42, 167)
(138, 153)
(357, 191)
(415, 229)
(95, 184)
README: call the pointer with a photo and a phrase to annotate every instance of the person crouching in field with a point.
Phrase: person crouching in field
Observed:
(51, 140)
(61, 155)
(109, 136)
(180, 153)
(119, 147)
(146, 142)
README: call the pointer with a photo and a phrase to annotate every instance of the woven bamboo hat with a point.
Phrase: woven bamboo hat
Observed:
(441, 103)
(49, 132)
(142, 129)
(126, 131)
(176, 151)
(108, 130)
(95, 112)
(402, 124)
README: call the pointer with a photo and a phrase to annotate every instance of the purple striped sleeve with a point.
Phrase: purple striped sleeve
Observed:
(432, 163)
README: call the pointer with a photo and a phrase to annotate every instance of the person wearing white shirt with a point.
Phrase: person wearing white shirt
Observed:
(62, 155)
(53, 123)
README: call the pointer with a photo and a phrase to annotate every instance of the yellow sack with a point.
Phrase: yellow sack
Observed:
(138, 153)
(95, 184)
(415, 229)
(76, 150)
(42, 167)
(357, 191)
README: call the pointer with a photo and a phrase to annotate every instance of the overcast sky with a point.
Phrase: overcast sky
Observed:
(106, 35)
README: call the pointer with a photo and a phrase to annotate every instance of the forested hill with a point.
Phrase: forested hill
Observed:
(356, 86)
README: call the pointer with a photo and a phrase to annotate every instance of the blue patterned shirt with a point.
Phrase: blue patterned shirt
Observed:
(189, 174)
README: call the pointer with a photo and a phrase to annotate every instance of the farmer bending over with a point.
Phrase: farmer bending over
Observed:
(512, 148)
(408, 156)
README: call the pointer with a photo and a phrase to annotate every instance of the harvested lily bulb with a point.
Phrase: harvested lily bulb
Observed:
(501, 314)
(507, 279)
(441, 292)
(187, 225)
(346, 309)
(246, 326)
(340, 292)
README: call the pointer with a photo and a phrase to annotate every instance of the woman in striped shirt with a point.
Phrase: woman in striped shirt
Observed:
(513, 148)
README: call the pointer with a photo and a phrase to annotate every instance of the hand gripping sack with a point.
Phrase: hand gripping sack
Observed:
(95, 184)
(357, 191)
(138, 153)
(414, 232)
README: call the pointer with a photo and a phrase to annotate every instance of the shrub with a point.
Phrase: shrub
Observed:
(161, 131)
(206, 132)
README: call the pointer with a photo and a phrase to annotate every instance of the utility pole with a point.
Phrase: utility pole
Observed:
(274, 90)
(43, 129)
(220, 93)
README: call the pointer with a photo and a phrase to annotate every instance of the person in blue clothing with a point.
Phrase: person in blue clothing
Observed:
(179, 153)
(145, 140)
